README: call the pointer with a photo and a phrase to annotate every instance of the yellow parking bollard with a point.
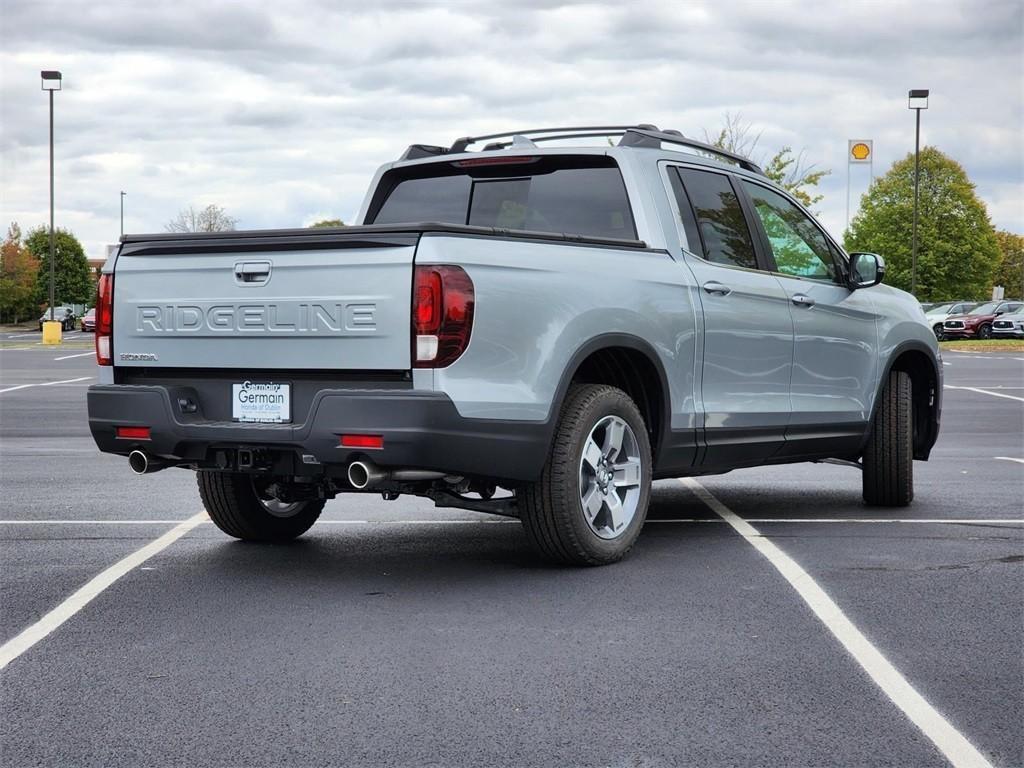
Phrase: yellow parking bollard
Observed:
(52, 332)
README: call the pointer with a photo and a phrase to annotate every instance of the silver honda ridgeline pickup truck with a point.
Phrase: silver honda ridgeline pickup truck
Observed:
(525, 331)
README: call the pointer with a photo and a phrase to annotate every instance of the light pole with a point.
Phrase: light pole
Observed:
(51, 83)
(917, 100)
(123, 193)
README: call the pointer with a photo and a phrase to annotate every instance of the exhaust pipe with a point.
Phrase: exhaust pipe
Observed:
(363, 474)
(141, 464)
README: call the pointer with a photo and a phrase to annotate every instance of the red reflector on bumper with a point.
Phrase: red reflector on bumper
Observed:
(362, 441)
(133, 433)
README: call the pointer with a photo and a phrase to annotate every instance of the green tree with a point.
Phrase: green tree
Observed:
(790, 171)
(1010, 274)
(325, 223)
(957, 251)
(18, 269)
(72, 282)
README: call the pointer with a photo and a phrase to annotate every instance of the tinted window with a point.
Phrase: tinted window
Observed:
(443, 198)
(799, 246)
(579, 196)
(988, 308)
(723, 229)
(686, 214)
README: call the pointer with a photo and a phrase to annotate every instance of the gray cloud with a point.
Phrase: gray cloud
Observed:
(281, 113)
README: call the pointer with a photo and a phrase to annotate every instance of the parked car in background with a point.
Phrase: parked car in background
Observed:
(89, 321)
(1009, 326)
(977, 324)
(63, 314)
(939, 313)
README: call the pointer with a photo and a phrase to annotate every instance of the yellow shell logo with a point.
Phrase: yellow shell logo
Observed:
(860, 151)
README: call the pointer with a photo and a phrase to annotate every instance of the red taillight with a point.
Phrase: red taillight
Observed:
(427, 304)
(105, 321)
(362, 441)
(132, 433)
(442, 314)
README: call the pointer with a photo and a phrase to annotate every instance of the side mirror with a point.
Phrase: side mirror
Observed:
(866, 270)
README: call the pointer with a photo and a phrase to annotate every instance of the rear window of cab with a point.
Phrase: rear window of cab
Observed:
(574, 195)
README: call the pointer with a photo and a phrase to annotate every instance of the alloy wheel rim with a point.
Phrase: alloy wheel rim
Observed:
(610, 472)
(276, 507)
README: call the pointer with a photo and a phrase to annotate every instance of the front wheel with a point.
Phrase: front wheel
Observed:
(985, 332)
(889, 453)
(240, 505)
(591, 500)
(937, 330)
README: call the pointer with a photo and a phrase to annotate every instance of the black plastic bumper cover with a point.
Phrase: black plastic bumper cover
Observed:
(421, 430)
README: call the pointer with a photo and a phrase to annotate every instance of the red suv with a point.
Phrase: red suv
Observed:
(977, 324)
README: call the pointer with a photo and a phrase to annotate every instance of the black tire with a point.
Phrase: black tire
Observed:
(235, 507)
(985, 332)
(551, 508)
(889, 453)
(937, 330)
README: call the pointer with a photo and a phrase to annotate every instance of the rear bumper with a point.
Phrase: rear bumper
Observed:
(421, 430)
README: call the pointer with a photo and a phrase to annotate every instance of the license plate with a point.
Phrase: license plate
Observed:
(264, 402)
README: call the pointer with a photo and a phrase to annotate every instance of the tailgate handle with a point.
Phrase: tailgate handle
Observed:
(252, 272)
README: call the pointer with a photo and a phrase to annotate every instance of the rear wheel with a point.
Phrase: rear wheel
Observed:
(240, 505)
(889, 453)
(591, 500)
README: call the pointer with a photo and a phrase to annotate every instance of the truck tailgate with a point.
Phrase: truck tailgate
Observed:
(245, 300)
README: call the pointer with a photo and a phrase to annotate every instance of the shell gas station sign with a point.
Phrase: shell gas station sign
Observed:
(859, 151)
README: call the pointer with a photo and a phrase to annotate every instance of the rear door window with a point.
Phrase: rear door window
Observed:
(576, 195)
(720, 223)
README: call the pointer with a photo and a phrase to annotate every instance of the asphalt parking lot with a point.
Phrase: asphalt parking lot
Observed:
(397, 634)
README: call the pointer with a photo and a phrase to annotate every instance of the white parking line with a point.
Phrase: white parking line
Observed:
(68, 357)
(46, 384)
(23, 335)
(985, 392)
(953, 744)
(1009, 458)
(17, 645)
(489, 521)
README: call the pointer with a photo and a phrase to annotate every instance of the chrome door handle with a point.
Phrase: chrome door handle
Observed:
(715, 287)
(803, 301)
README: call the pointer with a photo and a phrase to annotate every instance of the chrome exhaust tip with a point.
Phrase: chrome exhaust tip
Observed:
(363, 474)
(142, 464)
(139, 462)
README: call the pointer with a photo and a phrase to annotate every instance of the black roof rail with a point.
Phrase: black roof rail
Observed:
(460, 145)
(416, 151)
(642, 137)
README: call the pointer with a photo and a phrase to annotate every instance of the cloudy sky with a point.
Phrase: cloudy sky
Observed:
(281, 111)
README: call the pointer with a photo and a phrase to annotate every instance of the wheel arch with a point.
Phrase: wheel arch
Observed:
(920, 362)
(631, 364)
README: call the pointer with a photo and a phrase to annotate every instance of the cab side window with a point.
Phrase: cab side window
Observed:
(711, 212)
(799, 246)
